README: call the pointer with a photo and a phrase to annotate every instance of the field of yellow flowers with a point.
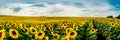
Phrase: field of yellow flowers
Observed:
(59, 28)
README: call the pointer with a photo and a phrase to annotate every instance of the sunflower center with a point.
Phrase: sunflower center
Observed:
(39, 34)
(8, 25)
(13, 24)
(50, 27)
(72, 33)
(14, 33)
(0, 34)
(25, 30)
(75, 29)
(33, 30)
(92, 30)
(44, 38)
(112, 23)
(68, 30)
(42, 28)
(55, 36)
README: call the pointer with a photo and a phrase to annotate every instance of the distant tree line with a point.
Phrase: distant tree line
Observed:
(118, 17)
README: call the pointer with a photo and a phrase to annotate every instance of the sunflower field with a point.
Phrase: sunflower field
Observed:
(58, 28)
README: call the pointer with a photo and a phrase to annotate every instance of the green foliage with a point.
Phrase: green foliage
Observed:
(109, 17)
(118, 17)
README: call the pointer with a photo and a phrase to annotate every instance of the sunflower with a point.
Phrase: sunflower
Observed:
(112, 24)
(39, 35)
(68, 30)
(13, 33)
(116, 24)
(65, 24)
(72, 34)
(51, 24)
(14, 24)
(75, 29)
(60, 27)
(56, 36)
(81, 24)
(41, 24)
(8, 25)
(66, 38)
(46, 38)
(93, 30)
(33, 30)
(43, 29)
(26, 31)
(2, 34)
(50, 28)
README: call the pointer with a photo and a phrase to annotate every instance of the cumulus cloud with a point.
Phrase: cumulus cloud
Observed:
(88, 9)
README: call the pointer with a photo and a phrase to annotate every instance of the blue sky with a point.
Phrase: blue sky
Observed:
(92, 8)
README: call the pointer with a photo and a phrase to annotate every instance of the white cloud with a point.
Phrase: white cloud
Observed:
(6, 11)
(60, 10)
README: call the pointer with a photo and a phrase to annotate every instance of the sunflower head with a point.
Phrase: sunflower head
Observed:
(46, 38)
(113, 24)
(43, 29)
(75, 29)
(51, 24)
(26, 31)
(14, 24)
(2, 34)
(13, 33)
(39, 35)
(33, 30)
(60, 27)
(50, 28)
(68, 30)
(93, 30)
(8, 25)
(56, 36)
(67, 22)
(72, 34)
(81, 24)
